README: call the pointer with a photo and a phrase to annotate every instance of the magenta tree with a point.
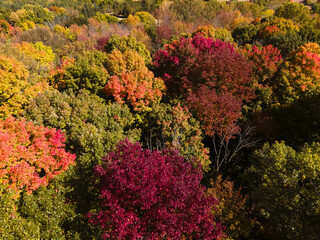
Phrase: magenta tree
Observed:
(152, 195)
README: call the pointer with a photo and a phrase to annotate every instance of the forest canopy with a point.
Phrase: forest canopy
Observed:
(159, 119)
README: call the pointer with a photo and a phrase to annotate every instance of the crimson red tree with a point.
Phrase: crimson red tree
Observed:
(152, 195)
(212, 77)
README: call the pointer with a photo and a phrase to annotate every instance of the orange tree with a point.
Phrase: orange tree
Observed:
(131, 82)
(30, 155)
(299, 75)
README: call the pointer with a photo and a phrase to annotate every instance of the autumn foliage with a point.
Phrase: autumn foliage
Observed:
(152, 195)
(195, 86)
(131, 82)
(212, 77)
(5, 27)
(299, 76)
(231, 207)
(265, 61)
(15, 89)
(30, 155)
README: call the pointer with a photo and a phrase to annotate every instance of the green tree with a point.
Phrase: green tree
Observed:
(85, 72)
(188, 10)
(297, 12)
(38, 14)
(30, 15)
(246, 34)
(105, 17)
(49, 211)
(92, 128)
(315, 8)
(298, 123)
(12, 225)
(149, 23)
(285, 42)
(211, 9)
(283, 186)
(44, 214)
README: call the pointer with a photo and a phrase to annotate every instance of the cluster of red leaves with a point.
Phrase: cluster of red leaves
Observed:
(30, 155)
(269, 31)
(212, 77)
(265, 60)
(152, 195)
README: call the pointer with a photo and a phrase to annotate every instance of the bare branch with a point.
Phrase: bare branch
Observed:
(228, 144)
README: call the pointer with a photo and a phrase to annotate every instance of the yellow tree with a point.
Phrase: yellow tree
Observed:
(15, 89)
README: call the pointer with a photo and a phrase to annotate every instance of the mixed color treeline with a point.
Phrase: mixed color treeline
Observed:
(155, 119)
